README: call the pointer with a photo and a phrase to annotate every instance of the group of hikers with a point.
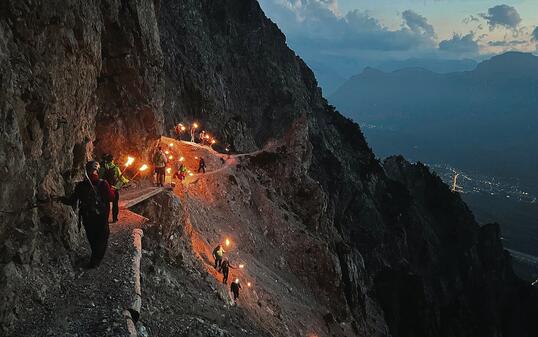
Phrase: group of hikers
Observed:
(161, 159)
(223, 265)
(204, 138)
(100, 188)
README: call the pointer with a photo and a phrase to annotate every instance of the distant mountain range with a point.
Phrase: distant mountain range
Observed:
(333, 71)
(485, 119)
(435, 65)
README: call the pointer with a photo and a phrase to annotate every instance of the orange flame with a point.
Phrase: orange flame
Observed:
(249, 284)
(183, 128)
(168, 170)
(143, 168)
(171, 157)
(241, 266)
(213, 141)
(190, 174)
(167, 152)
(129, 161)
(182, 159)
(227, 242)
(195, 125)
(171, 144)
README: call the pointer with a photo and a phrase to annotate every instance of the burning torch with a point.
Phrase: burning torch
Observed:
(140, 170)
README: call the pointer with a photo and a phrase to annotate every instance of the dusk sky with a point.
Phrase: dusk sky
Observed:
(369, 31)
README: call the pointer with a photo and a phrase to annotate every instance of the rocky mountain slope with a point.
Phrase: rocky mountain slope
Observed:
(384, 250)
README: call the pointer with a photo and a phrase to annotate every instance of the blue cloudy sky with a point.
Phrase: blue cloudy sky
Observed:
(363, 32)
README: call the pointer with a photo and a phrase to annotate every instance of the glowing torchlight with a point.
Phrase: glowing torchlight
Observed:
(249, 284)
(236, 280)
(171, 144)
(183, 128)
(241, 266)
(182, 159)
(167, 152)
(195, 125)
(190, 174)
(143, 168)
(168, 170)
(206, 136)
(171, 157)
(227, 242)
(213, 141)
(129, 162)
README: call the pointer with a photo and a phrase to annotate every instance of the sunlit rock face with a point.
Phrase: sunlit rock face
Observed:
(387, 249)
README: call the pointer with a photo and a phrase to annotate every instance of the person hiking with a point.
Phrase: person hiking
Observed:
(201, 137)
(194, 126)
(234, 287)
(181, 173)
(93, 197)
(225, 269)
(179, 129)
(201, 165)
(111, 172)
(159, 161)
(218, 254)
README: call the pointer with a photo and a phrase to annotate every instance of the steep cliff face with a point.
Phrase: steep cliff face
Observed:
(67, 69)
(383, 249)
(404, 252)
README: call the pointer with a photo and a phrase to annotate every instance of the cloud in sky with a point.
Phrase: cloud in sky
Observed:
(502, 16)
(461, 45)
(319, 22)
(417, 23)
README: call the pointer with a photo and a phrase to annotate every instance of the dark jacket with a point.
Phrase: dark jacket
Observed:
(94, 202)
(234, 287)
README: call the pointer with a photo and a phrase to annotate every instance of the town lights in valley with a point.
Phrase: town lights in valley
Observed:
(129, 162)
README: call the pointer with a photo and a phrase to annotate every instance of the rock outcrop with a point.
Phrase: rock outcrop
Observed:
(387, 249)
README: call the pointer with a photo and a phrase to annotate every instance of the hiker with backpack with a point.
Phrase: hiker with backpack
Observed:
(180, 173)
(234, 287)
(112, 174)
(225, 270)
(93, 197)
(218, 254)
(159, 162)
(201, 165)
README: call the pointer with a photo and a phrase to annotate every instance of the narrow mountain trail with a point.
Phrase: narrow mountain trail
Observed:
(92, 301)
(224, 203)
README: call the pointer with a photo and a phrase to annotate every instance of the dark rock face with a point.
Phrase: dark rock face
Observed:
(66, 67)
(227, 65)
(399, 254)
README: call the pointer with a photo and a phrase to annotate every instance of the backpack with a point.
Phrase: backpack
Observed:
(92, 204)
(110, 175)
(159, 160)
